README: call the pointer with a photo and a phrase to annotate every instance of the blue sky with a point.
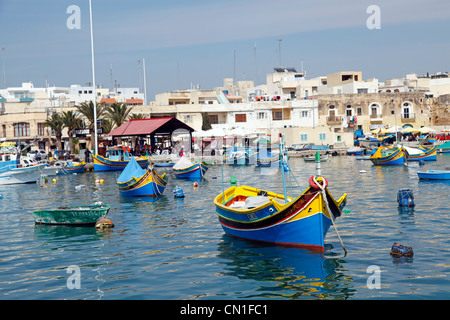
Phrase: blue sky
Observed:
(200, 42)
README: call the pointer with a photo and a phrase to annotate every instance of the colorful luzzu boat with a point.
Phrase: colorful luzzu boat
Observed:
(137, 182)
(269, 160)
(185, 169)
(69, 167)
(115, 159)
(386, 156)
(426, 154)
(264, 216)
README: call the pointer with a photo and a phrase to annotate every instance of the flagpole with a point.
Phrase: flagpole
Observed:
(93, 80)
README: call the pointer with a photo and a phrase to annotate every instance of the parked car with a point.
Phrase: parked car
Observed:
(42, 153)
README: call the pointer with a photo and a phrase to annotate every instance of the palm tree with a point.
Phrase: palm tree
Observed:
(56, 123)
(107, 125)
(72, 120)
(134, 116)
(87, 110)
(118, 113)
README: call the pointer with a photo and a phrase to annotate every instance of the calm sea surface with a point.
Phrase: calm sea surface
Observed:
(170, 249)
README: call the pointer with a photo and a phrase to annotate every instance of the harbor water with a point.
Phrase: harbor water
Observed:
(170, 248)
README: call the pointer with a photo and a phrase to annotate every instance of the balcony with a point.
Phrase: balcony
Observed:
(334, 120)
(408, 117)
(376, 117)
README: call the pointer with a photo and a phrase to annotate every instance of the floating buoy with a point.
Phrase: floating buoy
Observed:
(399, 250)
(195, 184)
(54, 180)
(233, 181)
(104, 224)
(362, 171)
(178, 192)
(405, 198)
(101, 181)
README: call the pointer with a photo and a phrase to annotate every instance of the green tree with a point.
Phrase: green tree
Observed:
(134, 116)
(118, 113)
(71, 120)
(87, 110)
(206, 122)
(56, 123)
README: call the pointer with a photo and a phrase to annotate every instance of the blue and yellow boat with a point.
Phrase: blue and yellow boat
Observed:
(264, 216)
(268, 160)
(185, 169)
(69, 167)
(137, 182)
(423, 153)
(115, 159)
(388, 156)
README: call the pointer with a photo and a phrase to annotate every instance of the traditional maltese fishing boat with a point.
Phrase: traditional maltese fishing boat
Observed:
(137, 182)
(387, 156)
(185, 169)
(259, 215)
(116, 158)
(423, 153)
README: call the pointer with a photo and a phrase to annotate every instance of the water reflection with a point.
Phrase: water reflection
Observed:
(287, 273)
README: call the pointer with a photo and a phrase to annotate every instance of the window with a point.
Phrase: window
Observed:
(303, 137)
(240, 117)
(349, 111)
(214, 118)
(21, 129)
(261, 115)
(358, 111)
(304, 114)
(188, 119)
(322, 136)
(277, 115)
(41, 129)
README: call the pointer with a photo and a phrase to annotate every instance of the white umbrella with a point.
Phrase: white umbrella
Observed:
(392, 130)
(426, 130)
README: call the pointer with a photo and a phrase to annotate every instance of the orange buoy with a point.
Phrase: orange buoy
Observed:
(104, 224)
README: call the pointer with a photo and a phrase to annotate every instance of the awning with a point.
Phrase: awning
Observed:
(141, 127)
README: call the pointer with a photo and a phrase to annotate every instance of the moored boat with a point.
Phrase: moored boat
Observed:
(434, 175)
(69, 167)
(355, 151)
(444, 148)
(115, 159)
(265, 216)
(81, 215)
(258, 215)
(137, 182)
(313, 158)
(17, 170)
(426, 154)
(388, 156)
(185, 169)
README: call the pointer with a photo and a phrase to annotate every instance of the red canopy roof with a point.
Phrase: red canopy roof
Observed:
(138, 127)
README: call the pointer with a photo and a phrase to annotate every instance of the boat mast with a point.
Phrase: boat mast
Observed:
(93, 80)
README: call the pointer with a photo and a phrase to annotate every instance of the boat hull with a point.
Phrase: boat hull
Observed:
(104, 164)
(71, 215)
(75, 168)
(196, 171)
(302, 222)
(149, 185)
(395, 158)
(21, 175)
(434, 175)
(426, 155)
